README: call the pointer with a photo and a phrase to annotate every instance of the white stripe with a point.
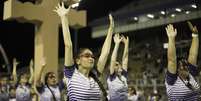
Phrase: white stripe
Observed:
(179, 91)
(82, 88)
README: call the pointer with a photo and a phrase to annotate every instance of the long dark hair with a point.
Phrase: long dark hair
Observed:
(132, 88)
(100, 85)
(93, 75)
(46, 78)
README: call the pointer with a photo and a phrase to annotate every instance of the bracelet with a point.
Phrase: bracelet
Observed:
(194, 35)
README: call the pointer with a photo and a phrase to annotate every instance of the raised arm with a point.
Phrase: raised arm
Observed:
(117, 40)
(38, 82)
(193, 52)
(125, 54)
(31, 72)
(14, 73)
(171, 54)
(63, 14)
(106, 47)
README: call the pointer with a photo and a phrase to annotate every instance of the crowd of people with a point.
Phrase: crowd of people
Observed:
(81, 77)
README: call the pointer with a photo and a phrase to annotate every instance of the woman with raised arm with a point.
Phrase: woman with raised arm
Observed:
(24, 83)
(83, 83)
(180, 82)
(117, 81)
(50, 89)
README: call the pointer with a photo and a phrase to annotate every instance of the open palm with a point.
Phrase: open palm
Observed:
(171, 31)
(61, 10)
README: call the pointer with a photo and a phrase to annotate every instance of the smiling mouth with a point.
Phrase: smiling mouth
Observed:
(91, 62)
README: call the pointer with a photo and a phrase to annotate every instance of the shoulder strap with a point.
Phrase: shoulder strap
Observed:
(100, 85)
(52, 93)
(187, 84)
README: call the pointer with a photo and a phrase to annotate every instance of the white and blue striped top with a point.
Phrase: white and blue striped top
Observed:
(81, 88)
(118, 87)
(178, 91)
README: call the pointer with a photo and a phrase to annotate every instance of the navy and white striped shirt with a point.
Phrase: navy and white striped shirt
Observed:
(81, 88)
(118, 87)
(178, 91)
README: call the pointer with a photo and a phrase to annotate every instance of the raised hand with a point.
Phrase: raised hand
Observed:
(171, 31)
(38, 75)
(117, 38)
(15, 63)
(194, 49)
(171, 53)
(111, 21)
(31, 63)
(14, 73)
(61, 10)
(125, 40)
(43, 62)
(106, 47)
(192, 28)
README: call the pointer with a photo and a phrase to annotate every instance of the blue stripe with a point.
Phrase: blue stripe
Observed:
(68, 71)
(82, 88)
(179, 92)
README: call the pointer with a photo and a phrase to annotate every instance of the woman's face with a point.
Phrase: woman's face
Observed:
(24, 78)
(183, 70)
(51, 79)
(118, 68)
(86, 59)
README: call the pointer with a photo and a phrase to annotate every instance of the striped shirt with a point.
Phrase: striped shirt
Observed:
(118, 88)
(80, 87)
(178, 91)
